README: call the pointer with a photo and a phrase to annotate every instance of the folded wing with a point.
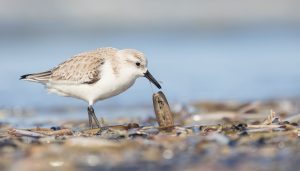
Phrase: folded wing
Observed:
(84, 68)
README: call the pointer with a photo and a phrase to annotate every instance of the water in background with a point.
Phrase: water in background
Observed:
(191, 65)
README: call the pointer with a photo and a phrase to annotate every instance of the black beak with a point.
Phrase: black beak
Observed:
(152, 79)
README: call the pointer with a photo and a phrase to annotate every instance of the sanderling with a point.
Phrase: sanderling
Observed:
(95, 75)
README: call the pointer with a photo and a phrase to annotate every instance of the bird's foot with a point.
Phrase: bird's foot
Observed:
(92, 116)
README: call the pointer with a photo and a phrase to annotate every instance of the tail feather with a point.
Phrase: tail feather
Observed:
(37, 77)
(23, 77)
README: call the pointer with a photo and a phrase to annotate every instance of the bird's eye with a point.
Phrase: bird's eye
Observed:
(137, 64)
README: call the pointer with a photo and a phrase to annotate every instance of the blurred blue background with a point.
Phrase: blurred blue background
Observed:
(198, 49)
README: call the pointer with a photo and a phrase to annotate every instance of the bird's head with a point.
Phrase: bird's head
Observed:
(137, 63)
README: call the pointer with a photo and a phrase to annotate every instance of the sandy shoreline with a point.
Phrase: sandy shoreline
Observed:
(214, 135)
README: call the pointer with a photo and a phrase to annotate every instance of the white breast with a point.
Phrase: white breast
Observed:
(112, 84)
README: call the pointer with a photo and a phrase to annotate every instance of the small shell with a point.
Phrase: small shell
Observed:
(164, 116)
(20, 132)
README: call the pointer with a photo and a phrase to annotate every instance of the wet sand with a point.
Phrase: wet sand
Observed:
(206, 136)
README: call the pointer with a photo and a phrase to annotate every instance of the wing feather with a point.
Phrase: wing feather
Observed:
(84, 68)
(81, 69)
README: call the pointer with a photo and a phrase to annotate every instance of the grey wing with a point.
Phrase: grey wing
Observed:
(81, 69)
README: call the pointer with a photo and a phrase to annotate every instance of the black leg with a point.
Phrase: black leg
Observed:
(90, 120)
(92, 114)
